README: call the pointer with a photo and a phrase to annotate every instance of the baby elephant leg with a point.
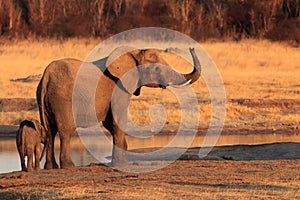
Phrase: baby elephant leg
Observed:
(30, 159)
(22, 159)
(37, 153)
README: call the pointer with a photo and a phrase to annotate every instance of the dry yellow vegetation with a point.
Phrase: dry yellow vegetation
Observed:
(251, 69)
(22, 58)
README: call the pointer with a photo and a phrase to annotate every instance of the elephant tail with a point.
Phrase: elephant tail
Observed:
(40, 96)
(20, 140)
(44, 150)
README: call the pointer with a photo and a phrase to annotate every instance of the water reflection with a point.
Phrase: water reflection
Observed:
(9, 158)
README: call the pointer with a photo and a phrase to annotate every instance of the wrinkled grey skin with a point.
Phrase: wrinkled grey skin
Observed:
(55, 90)
(30, 135)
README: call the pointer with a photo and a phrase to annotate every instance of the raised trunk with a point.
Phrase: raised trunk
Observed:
(196, 73)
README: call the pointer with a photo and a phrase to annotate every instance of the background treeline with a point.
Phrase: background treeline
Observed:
(201, 19)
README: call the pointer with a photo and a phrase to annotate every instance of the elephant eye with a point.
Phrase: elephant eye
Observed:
(153, 57)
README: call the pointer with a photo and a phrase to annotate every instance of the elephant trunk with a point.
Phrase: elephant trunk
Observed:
(196, 73)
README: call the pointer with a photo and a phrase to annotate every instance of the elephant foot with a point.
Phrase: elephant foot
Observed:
(37, 169)
(29, 169)
(119, 158)
(50, 165)
(67, 165)
(119, 162)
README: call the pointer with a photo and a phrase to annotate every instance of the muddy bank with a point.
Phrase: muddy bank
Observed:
(275, 151)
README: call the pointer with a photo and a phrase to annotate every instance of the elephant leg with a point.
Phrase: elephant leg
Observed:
(119, 142)
(30, 159)
(22, 159)
(37, 153)
(119, 157)
(50, 158)
(65, 155)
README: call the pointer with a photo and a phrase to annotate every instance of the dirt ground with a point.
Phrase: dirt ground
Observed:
(229, 172)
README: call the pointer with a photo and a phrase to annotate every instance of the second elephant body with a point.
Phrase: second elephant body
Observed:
(29, 138)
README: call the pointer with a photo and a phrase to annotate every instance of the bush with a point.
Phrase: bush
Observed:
(285, 30)
(236, 19)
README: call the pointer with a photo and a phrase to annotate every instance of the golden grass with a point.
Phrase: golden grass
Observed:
(250, 69)
(22, 58)
(257, 69)
(16, 117)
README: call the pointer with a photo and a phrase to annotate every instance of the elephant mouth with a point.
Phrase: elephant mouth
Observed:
(156, 85)
(162, 86)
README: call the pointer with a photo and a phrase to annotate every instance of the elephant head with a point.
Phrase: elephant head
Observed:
(148, 67)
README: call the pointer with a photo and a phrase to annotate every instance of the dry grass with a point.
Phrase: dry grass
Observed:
(258, 69)
(250, 69)
(15, 118)
(22, 58)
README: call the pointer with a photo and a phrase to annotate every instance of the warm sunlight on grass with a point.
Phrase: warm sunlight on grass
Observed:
(250, 69)
(19, 59)
(15, 118)
(258, 69)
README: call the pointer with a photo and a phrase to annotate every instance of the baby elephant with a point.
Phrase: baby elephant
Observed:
(29, 138)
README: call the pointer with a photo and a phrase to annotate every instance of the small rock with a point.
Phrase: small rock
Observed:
(92, 164)
(22, 176)
(227, 157)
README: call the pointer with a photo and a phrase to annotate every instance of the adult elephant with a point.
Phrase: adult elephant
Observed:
(55, 93)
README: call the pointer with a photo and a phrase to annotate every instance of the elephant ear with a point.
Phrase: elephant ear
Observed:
(123, 65)
(130, 80)
(120, 61)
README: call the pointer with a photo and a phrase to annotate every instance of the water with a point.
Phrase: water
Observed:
(9, 158)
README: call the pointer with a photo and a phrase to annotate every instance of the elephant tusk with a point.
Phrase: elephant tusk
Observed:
(182, 84)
